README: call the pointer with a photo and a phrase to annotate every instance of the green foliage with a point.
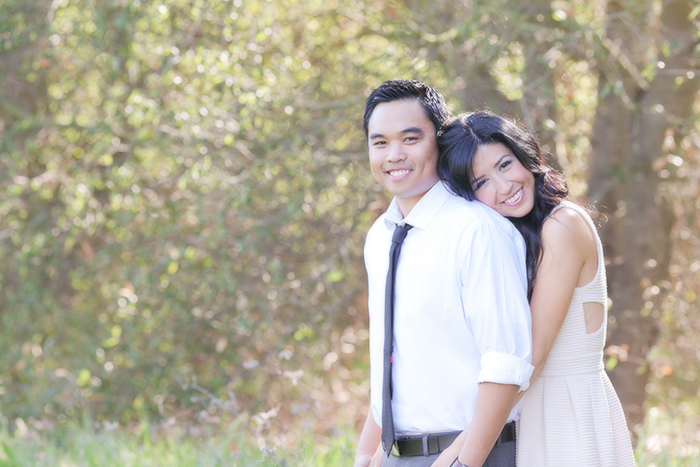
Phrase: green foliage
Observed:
(184, 200)
(184, 190)
(184, 203)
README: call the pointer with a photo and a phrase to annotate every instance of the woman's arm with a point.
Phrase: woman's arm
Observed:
(569, 259)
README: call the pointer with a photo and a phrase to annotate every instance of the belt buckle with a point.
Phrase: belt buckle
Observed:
(430, 444)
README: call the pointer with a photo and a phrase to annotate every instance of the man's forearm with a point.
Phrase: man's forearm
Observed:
(369, 441)
(493, 405)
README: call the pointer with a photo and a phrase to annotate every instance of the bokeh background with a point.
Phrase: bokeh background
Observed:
(184, 195)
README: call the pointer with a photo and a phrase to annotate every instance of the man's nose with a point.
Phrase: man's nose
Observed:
(396, 153)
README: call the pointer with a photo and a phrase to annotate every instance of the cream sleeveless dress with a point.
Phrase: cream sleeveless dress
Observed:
(571, 415)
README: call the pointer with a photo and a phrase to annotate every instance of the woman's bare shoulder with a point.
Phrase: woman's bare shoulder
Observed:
(567, 226)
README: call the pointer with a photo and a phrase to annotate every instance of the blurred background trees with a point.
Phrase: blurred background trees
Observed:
(185, 193)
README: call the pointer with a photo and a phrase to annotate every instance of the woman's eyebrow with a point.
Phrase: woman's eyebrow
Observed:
(498, 162)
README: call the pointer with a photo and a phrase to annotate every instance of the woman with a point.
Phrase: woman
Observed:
(571, 414)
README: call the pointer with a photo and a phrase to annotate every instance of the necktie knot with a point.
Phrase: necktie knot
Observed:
(400, 233)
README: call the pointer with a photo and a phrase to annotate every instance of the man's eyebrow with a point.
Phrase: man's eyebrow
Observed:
(412, 129)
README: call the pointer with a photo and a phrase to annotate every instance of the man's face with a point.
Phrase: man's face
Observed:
(403, 151)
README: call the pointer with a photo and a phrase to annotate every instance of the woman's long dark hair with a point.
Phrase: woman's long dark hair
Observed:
(459, 142)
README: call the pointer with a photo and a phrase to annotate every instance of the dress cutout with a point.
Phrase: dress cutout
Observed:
(571, 415)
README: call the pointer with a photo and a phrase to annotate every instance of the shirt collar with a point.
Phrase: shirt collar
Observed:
(424, 210)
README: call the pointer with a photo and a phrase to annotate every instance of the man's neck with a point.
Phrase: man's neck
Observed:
(407, 204)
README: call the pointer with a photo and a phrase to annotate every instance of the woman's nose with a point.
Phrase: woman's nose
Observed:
(502, 185)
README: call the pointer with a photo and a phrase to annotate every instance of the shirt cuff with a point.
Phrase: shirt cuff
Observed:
(503, 368)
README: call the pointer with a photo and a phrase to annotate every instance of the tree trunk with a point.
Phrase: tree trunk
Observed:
(630, 126)
(539, 104)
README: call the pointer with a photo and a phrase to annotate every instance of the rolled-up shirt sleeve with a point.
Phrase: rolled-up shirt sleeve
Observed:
(505, 369)
(496, 305)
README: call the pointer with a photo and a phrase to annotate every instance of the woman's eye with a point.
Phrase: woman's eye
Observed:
(478, 184)
(505, 164)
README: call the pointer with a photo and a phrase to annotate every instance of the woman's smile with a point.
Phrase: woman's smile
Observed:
(502, 182)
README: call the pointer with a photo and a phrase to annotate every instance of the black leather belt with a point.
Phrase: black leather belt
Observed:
(434, 443)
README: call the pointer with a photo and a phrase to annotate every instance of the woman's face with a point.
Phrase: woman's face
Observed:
(502, 182)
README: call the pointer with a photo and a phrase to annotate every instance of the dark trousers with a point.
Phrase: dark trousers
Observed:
(502, 455)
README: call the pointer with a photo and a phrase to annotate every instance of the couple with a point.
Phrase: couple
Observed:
(453, 339)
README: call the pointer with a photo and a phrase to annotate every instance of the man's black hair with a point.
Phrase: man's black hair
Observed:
(432, 101)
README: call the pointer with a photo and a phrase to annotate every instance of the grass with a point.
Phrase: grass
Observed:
(82, 446)
(77, 445)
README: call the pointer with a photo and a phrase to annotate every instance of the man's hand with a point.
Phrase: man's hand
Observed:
(448, 456)
(363, 461)
(377, 458)
(366, 460)
(369, 450)
(493, 404)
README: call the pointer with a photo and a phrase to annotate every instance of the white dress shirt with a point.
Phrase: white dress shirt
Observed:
(461, 312)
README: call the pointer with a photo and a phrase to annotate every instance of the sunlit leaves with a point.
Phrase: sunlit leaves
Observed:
(186, 188)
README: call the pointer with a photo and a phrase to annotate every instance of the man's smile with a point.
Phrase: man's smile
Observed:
(397, 172)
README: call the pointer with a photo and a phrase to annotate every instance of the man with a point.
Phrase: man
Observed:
(460, 347)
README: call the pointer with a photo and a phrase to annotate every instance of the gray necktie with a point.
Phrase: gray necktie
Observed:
(387, 418)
